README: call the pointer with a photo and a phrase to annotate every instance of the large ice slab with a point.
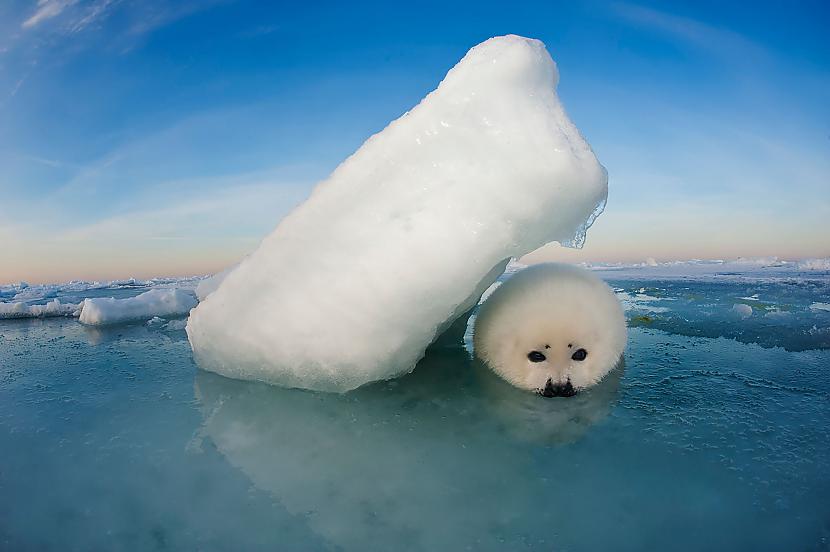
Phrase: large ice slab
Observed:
(156, 302)
(406, 234)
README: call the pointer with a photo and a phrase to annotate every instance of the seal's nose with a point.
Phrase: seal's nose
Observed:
(559, 390)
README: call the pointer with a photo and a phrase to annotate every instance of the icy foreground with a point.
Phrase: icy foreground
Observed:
(406, 234)
(717, 419)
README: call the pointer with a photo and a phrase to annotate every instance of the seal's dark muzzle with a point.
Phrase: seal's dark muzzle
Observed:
(558, 390)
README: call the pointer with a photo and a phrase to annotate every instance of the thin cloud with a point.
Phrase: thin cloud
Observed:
(151, 17)
(16, 87)
(95, 13)
(692, 31)
(44, 161)
(47, 9)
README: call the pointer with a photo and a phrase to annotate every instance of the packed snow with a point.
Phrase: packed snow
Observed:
(153, 303)
(407, 233)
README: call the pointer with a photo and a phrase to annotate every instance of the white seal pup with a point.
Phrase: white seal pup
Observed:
(551, 328)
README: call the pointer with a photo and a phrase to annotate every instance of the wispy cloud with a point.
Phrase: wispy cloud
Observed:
(152, 16)
(93, 14)
(16, 87)
(44, 161)
(47, 9)
(75, 16)
(692, 31)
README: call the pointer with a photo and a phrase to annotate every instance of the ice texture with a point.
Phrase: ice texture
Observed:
(406, 234)
(154, 303)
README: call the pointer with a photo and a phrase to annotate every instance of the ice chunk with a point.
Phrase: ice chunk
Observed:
(742, 310)
(408, 232)
(153, 303)
(52, 308)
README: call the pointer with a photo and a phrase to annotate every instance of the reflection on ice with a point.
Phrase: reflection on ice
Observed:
(369, 466)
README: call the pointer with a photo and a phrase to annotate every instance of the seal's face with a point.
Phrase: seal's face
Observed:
(552, 329)
(560, 350)
(558, 388)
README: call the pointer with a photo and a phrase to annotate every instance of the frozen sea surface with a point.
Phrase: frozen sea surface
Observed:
(714, 435)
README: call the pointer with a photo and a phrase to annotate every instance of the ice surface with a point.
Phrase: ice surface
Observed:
(779, 310)
(153, 303)
(407, 233)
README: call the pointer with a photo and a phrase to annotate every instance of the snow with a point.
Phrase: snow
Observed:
(408, 232)
(154, 303)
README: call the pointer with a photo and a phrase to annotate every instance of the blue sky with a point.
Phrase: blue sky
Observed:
(158, 137)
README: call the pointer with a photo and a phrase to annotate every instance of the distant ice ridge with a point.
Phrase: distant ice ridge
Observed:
(742, 266)
(407, 233)
(23, 300)
(154, 303)
(23, 291)
(814, 264)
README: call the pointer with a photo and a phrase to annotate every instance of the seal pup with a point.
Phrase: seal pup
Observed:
(551, 328)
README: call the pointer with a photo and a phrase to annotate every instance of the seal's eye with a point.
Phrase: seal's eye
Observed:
(535, 356)
(579, 354)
